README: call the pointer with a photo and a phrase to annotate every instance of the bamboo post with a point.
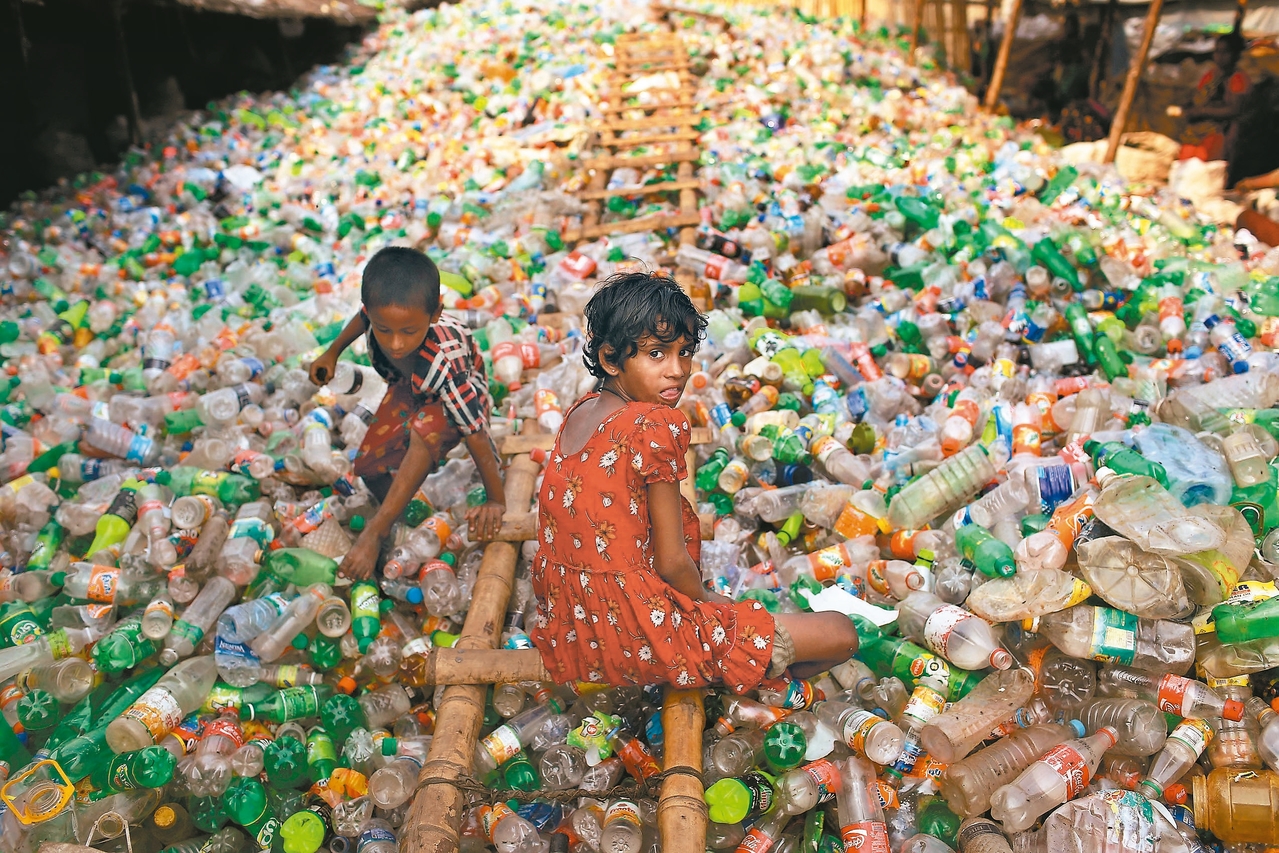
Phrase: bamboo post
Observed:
(434, 821)
(1001, 61)
(1130, 82)
(480, 666)
(863, 16)
(962, 49)
(681, 809)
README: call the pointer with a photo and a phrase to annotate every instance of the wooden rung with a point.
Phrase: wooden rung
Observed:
(650, 122)
(516, 445)
(517, 528)
(658, 139)
(672, 105)
(647, 189)
(649, 66)
(655, 222)
(641, 160)
(477, 666)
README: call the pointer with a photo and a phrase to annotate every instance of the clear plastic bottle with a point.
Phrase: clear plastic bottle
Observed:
(1174, 694)
(1140, 725)
(967, 784)
(956, 732)
(242, 622)
(960, 637)
(804, 788)
(945, 487)
(156, 712)
(622, 828)
(1181, 750)
(196, 620)
(1057, 777)
(861, 817)
(1116, 636)
(271, 643)
(865, 733)
(392, 785)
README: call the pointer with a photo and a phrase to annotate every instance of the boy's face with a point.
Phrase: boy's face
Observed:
(400, 330)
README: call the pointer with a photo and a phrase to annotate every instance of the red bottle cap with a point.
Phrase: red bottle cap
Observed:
(1233, 710)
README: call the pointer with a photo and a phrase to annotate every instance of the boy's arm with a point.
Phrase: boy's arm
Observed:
(485, 521)
(361, 559)
(322, 368)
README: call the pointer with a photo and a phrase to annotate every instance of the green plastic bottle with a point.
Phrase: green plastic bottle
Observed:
(285, 762)
(46, 548)
(983, 549)
(114, 526)
(125, 647)
(149, 767)
(1108, 357)
(19, 624)
(366, 613)
(1081, 329)
(208, 815)
(1122, 459)
(708, 474)
(38, 710)
(291, 703)
(1047, 255)
(733, 800)
(813, 297)
(519, 774)
(321, 755)
(894, 656)
(306, 831)
(784, 746)
(1253, 620)
(245, 802)
(342, 714)
(300, 566)
(231, 489)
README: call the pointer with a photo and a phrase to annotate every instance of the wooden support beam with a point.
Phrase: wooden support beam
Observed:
(647, 189)
(623, 142)
(655, 222)
(650, 122)
(621, 108)
(681, 807)
(609, 163)
(917, 24)
(1130, 82)
(434, 821)
(1001, 62)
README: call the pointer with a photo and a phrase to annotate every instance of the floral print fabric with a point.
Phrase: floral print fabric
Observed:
(604, 613)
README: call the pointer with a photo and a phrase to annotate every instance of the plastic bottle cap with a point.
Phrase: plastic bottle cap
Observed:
(448, 557)
(1078, 726)
(1176, 794)
(164, 478)
(414, 595)
(346, 684)
(1001, 659)
(1233, 710)
(300, 642)
(538, 455)
(1031, 624)
(357, 523)
(1211, 321)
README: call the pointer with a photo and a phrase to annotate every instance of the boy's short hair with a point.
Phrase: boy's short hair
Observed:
(629, 306)
(401, 276)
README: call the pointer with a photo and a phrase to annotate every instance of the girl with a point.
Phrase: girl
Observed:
(620, 594)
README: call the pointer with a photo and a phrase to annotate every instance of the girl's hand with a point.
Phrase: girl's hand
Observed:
(359, 561)
(324, 368)
(716, 598)
(485, 520)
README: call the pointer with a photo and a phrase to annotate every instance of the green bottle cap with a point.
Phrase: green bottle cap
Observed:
(390, 745)
(448, 557)
(164, 478)
(58, 578)
(356, 523)
(300, 642)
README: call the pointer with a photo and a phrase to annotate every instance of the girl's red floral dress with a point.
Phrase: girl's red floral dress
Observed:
(604, 614)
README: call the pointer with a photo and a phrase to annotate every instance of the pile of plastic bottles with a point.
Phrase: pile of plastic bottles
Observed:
(1017, 419)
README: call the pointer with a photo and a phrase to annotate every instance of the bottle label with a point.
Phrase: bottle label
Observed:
(122, 778)
(1196, 734)
(492, 816)
(364, 602)
(1070, 765)
(232, 655)
(941, 623)
(185, 630)
(157, 710)
(125, 505)
(969, 835)
(103, 582)
(265, 836)
(59, 644)
(827, 563)
(825, 776)
(755, 841)
(622, 810)
(225, 727)
(299, 702)
(502, 745)
(139, 449)
(865, 836)
(715, 266)
(150, 506)
(917, 666)
(1171, 695)
(207, 482)
(287, 675)
(221, 698)
(1114, 636)
(924, 704)
(1056, 485)
(857, 727)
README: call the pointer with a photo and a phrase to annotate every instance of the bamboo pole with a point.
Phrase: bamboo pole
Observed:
(681, 809)
(474, 666)
(962, 49)
(1001, 61)
(1130, 82)
(917, 24)
(434, 821)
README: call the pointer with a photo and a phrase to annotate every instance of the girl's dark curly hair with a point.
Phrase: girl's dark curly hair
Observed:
(629, 306)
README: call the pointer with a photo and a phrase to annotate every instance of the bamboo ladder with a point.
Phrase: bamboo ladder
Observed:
(433, 824)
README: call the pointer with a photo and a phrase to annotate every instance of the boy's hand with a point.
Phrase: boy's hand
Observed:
(359, 561)
(324, 368)
(485, 520)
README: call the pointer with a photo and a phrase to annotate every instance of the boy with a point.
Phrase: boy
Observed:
(437, 397)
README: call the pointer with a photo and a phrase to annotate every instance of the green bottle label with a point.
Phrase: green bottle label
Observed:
(207, 482)
(19, 626)
(192, 633)
(121, 775)
(364, 602)
(319, 748)
(1114, 636)
(298, 702)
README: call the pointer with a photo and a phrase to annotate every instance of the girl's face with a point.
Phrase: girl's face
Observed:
(657, 373)
(399, 329)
